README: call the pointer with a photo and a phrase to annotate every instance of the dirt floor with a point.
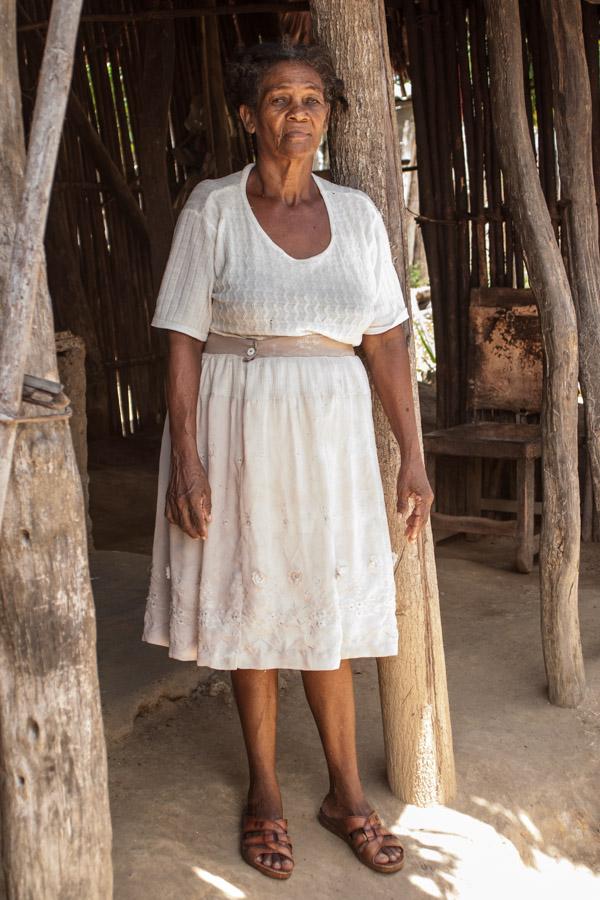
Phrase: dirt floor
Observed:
(526, 819)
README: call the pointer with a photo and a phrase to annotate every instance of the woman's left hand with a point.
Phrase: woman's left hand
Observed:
(414, 485)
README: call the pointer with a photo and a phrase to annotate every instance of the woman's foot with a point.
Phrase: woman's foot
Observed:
(264, 804)
(340, 806)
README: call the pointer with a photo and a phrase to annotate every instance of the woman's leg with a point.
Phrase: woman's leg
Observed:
(330, 695)
(256, 694)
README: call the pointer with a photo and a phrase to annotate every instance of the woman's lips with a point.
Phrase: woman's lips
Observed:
(297, 134)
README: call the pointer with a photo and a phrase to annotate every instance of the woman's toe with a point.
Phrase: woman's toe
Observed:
(286, 864)
(387, 857)
(266, 860)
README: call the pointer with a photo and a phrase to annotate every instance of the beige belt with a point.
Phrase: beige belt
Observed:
(282, 345)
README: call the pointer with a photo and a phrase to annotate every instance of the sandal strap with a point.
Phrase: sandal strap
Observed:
(368, 835)
(261, 836)
(252, 823)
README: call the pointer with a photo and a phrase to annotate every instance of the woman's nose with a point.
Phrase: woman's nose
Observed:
(297, 111)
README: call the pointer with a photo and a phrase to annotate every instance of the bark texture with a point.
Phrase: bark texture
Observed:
(560, 534)
(573, 124)
(53, 791)
(365, 154)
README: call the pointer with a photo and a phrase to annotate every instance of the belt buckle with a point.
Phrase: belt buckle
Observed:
(250, 351)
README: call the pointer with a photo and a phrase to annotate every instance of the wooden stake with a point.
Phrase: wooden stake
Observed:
(54, 810)
(559, 545)
(365, 152)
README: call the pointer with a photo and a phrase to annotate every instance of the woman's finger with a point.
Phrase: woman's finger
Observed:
(188, 519)
(207, 505)
(418, 517)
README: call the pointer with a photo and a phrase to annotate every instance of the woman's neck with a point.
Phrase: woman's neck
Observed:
(287, 180)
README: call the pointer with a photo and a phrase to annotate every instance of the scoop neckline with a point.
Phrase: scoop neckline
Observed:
(250, 212)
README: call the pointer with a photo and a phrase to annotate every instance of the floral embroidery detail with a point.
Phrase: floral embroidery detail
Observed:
(340, 571)
(373, 562)
(168, 572)
(295, 577)
(258, 577)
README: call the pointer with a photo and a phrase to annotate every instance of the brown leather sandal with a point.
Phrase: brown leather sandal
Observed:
(366, 836)
(262, 836)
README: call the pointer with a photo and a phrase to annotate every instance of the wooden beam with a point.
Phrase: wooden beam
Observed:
(27, 247)
(573, 126)
(560, 534)
(198, 11)
(474, 524)
(54, 811)
(365, 153)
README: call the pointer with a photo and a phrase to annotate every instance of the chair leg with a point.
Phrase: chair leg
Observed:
(525, 515)
(474, 492)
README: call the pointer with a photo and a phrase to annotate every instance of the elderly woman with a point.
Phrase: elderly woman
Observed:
(271, 544)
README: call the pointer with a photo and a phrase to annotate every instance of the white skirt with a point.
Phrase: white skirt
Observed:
(297, 569)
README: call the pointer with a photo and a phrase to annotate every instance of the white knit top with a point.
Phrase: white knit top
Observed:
(225, 274)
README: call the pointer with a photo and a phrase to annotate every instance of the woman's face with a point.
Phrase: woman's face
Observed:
(291, 112)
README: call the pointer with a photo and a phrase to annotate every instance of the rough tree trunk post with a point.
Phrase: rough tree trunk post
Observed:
(559, 542)
(53, 793)
(365, 153)
(573, 124)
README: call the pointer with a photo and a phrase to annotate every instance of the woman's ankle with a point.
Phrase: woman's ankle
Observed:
(346, 799)
(264, 797)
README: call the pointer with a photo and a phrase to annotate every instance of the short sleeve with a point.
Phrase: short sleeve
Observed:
(184, 301)
(389, 308)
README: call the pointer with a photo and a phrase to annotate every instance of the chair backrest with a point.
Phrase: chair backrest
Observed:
(505, 350)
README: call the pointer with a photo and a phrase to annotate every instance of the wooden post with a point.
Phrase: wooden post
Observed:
(53, 793)
(155, 93)
(559, 542)
(365, 153)
(573, 125)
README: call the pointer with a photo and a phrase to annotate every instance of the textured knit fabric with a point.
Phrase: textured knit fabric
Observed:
(297, 569)
(226, 274)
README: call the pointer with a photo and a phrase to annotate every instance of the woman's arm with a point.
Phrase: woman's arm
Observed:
(188, 493)
(389, 364)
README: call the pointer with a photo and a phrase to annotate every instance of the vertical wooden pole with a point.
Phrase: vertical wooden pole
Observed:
(573, 125)
(54, 809)
(365, 154)
(560, 535)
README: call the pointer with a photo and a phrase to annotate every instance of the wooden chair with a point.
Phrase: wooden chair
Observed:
(505, 373)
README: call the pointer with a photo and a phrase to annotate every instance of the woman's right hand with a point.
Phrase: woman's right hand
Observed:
(188, 501)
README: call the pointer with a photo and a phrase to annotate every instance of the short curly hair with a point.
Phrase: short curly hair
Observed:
(249, 65)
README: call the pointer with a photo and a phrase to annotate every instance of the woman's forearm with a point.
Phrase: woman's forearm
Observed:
(183, 381)
(389, 363)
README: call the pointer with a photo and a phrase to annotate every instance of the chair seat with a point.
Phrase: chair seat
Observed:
(499, 440)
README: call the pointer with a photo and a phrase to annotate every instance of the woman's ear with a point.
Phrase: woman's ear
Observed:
(247, 117)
